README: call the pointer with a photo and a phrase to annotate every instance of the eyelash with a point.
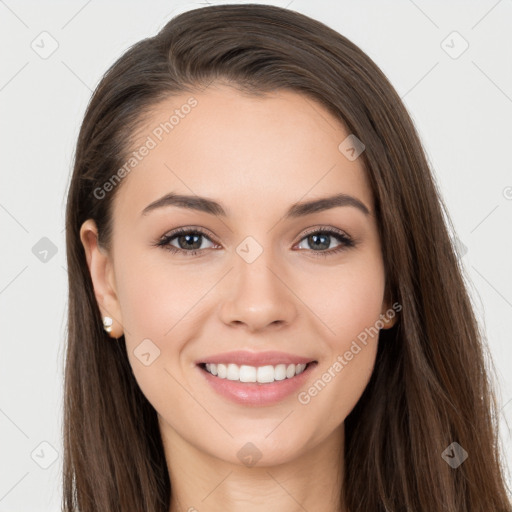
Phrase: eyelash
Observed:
(345, 241)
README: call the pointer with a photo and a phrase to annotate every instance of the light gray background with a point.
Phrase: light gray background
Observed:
(461, 106)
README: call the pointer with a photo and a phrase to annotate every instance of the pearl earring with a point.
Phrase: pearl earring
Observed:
(107, 323)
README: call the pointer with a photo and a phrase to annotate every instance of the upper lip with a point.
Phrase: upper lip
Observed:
(243, 357)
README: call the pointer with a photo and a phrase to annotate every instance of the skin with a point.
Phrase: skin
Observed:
(256, 156)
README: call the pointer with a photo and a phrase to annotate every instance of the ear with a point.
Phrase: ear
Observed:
(102, 276)
(389, 315)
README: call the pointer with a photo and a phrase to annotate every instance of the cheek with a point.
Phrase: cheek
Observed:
(154, 305)
(351, 339)
(348, 298)
(154, 294)
(161, 306)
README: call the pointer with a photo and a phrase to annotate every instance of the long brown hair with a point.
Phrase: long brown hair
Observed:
(430, 385)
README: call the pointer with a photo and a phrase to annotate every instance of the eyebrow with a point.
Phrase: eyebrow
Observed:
(212, 207)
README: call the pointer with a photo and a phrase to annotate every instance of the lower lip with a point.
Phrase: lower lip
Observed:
(254, 393)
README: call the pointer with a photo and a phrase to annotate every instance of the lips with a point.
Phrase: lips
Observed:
(256, 394)
(244, 357)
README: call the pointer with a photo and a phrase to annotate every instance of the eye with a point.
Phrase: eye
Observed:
(321, 238)
(188, 240)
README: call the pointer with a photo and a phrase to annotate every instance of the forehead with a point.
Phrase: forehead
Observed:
(249, 152)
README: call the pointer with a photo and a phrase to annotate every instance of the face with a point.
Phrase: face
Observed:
(253, 274)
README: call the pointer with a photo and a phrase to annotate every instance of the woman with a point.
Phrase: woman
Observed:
(265, 311)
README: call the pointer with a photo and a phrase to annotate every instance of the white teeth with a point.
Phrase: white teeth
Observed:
(247, 373)
(222, 371)
(262, 374)
(233, 372)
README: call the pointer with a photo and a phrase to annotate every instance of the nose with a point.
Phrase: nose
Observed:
(257, 296)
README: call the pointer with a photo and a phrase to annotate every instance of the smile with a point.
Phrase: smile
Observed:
(263, 385)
